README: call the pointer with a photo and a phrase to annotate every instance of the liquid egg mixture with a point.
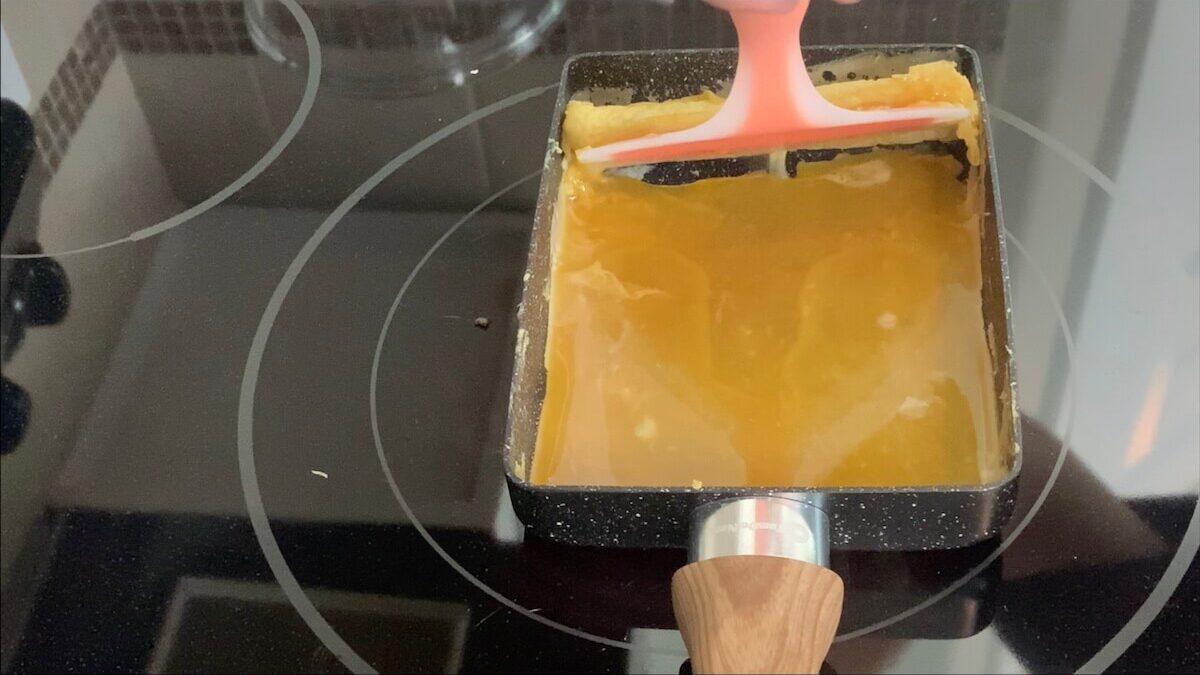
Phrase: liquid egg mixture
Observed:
(822, 330)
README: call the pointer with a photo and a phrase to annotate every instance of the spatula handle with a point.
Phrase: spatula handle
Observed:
(758, 596)
(756, 614)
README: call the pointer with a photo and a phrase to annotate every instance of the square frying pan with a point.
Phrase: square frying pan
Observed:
(902, 518)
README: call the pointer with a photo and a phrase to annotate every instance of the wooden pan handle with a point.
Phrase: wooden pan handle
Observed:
(756, 614)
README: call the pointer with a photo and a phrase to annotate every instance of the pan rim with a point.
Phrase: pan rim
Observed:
(1015, 454)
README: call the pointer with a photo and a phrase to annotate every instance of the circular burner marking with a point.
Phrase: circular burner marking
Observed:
(338, 646)
(289, 133)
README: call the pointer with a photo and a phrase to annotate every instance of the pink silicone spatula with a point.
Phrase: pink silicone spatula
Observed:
(772, 104)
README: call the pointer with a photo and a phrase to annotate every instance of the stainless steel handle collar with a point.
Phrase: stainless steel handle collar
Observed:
(772, 526)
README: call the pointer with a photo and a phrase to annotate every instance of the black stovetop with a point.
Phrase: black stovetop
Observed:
(221, 200)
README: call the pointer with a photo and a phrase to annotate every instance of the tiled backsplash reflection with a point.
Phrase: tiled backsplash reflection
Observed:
(73, 87)
(180, 26)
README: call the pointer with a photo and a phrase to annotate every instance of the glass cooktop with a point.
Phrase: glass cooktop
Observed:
(261, 262)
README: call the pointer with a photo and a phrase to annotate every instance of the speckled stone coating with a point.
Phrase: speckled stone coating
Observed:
(868, 519)
(861, 519)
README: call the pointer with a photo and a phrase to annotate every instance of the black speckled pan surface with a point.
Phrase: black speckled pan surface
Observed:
(862, 518)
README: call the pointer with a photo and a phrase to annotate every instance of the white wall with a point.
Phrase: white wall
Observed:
(1058, 73)
(40, 33)
(12, 82)
(1139, 381)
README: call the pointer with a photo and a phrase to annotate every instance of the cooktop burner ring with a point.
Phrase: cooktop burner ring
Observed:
(1003, 545)
(1077, 162)
(352, 660)
(311, 84)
